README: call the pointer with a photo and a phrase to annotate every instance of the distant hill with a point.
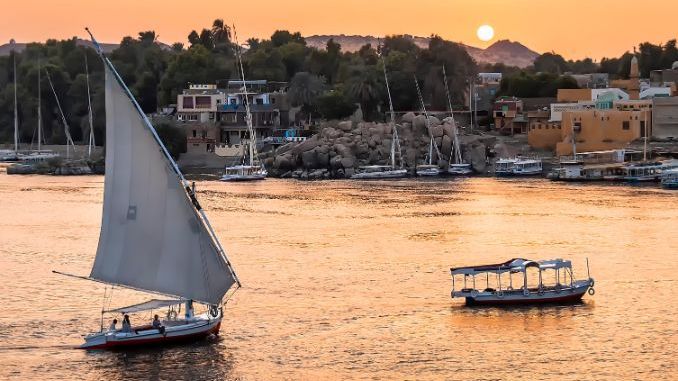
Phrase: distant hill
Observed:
(107, 48)
(505, 51)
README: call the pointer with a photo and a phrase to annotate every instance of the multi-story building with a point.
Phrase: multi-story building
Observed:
(215, 118)
(508, 115)
(665, 118)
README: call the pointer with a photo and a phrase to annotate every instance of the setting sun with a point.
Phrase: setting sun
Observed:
(485, 33)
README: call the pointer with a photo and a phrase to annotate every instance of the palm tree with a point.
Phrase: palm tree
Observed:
(365, 87)
(305, 88)
(221, 35)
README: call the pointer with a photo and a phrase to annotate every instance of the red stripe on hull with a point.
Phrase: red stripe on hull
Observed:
(560, 299)
(158, 340)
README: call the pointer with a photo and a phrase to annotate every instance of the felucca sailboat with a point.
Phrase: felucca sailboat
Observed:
(391, 171)
(251, 167)
(428, 169)
(155, 237)
(457, 166)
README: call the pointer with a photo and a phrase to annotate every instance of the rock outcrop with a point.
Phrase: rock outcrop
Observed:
(338, 149)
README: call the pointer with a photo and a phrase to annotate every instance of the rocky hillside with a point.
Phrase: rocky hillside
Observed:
(341, 148)
(509, 52)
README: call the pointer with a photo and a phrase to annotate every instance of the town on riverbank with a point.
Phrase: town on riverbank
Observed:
(326, 116)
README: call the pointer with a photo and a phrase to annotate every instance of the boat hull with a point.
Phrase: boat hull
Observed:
(428, 172)
(252, 177)
(172, 335)
(393, 174)
(534, 297)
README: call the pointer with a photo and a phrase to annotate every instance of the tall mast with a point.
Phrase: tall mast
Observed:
(67, 131)
(248, 115)
(645, 138)
(428, 124)
(16, 113)
(39, 108)
(395, 142)
(89, 110)
(457, 148)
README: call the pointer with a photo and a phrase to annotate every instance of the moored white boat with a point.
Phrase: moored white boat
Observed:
(162, 244)
(518, 167)
(670, 179)
(244, 173)
(428, 170)
(501, 292)
(375, 172)
(460, 169)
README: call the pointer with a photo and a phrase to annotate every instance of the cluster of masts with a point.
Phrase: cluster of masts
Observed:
(41, 138)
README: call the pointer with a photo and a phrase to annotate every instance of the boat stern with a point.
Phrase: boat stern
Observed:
(94, 341)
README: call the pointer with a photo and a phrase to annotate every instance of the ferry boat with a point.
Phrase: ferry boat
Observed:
(670, 179)
(244, 173)
(643, 172)
(499, 288)
(518, 167)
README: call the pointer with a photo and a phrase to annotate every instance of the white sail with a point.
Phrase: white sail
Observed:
(154, 235)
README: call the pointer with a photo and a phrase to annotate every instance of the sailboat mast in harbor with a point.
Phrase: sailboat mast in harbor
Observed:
(458, 167)
(252, 170)
(39, 109)
(91, 141)
(395, 142)
(16, 112)
(69, 140)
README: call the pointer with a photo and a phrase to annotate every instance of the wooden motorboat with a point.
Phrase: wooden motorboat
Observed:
(503, 292)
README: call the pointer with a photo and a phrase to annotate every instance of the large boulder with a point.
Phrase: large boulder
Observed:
(475, 155)
(448, 129)
(309, 159)
(346, 125)
(446, 145)
(348, 162)
(335, 162)
(408, 118)
(419, 123)
(284, 162)
(437, 131)
(433, 121)
(307, 145)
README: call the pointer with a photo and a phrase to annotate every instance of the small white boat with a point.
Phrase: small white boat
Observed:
(244, 173)
(8, 155)
(643, 172)
(428, 170)
(38, 156)
(499, 287)
(518, 167)
(374, 172)
(163, 244)
(670, 179)
(460, 169)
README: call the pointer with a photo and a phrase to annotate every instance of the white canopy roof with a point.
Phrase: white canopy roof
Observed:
(513, 265)
(152, 304)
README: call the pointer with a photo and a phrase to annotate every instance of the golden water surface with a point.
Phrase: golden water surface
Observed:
(350, 280)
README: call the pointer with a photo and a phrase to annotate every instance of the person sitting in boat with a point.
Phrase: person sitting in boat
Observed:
(126, 325)
(112, 327)
(157, 324)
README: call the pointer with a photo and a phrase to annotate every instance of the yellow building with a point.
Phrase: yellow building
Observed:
(599, 130)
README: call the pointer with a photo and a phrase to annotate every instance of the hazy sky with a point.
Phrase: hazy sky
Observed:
(574, 28)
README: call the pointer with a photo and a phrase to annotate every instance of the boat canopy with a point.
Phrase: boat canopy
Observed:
(152, 304)
(514, 265)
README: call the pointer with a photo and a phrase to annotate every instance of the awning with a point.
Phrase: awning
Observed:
(152, 304)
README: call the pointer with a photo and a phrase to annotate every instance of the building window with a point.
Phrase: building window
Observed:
(626, 125)
(188, 102)
(195, 133)
(642, 128)
(577, 127)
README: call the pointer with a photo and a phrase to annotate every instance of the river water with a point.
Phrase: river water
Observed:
(350, 280)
